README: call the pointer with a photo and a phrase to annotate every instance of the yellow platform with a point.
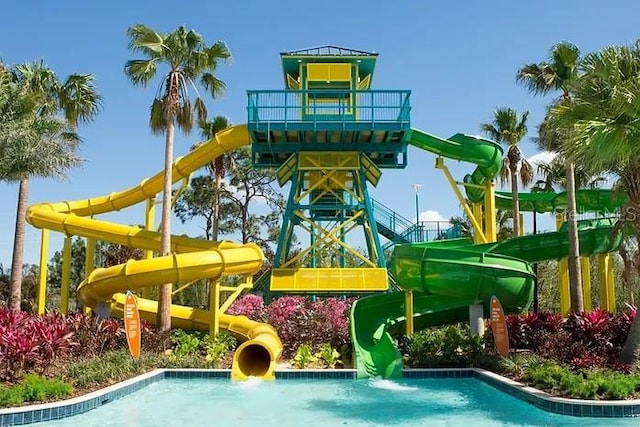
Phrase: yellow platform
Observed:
(329, 279)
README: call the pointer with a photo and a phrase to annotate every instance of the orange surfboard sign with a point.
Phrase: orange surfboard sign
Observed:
(132, 324)
(499, 327)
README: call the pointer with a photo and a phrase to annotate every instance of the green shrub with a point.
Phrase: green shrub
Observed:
(186, 342)
(593, 384)
(329, 355)
(108, 368)
(448, 346)
(304, 357)
(219, 346)
(34, 388)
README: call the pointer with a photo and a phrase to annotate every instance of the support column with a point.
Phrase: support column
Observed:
(66, 275)
(521, 231)
(42, 276)
(563, 275)
(408, 304)
(214, 308)
(89, 264)
(476, 208)
(607, 288)
(476, 319)
(149, 224)
(490, 232)
(585, 267)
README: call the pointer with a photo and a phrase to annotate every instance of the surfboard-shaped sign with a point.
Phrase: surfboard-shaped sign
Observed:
(499, 327)
(132, 324)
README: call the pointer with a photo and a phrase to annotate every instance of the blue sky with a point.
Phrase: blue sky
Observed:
(458, 58)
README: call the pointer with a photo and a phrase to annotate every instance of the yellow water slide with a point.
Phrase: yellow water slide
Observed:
(192, 259)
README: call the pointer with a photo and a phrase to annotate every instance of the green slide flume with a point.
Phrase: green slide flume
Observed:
(486, 154)
(448, 276)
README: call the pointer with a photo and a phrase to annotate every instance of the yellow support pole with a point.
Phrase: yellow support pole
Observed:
(585, 267)
(66, 275)
(42, 276)
(454, 186)
(476, 208)
(408, 303)
(611, 286)
(89, 263)
(214, 305)
(149, 223)
(490, 214)
(563, 267)
(607, 289)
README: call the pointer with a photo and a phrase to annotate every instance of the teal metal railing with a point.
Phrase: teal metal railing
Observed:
(334, 105)
(399, 229)
(392, 221)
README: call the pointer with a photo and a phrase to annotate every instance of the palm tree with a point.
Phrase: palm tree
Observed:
(47, 146)
(189, 60)
(217, 168)
(558, 74)
(605, 134)
(506, 128)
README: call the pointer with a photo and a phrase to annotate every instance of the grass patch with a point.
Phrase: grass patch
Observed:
(591, 384)
(34, 388)
(118, 365)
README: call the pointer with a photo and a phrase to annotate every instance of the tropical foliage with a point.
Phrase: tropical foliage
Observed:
(38, 117)
(189, 61)
(560, 74)
(509, 129)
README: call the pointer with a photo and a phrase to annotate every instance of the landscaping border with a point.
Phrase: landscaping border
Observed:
(78, 405)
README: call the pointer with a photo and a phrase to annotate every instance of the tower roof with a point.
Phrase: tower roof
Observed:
(291, 61)
(328, 50)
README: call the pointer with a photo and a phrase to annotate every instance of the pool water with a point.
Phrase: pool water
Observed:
(324, 403)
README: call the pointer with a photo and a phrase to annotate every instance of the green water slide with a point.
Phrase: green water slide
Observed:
(447, 276)
(601, 201)
(484, 153)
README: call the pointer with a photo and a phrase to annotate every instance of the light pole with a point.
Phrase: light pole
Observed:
(417, 188)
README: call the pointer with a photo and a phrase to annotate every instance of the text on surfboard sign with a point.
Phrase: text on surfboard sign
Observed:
(132, 325)
(499, 327)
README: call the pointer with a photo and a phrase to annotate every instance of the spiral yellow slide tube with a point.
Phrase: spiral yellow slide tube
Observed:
(192, 259)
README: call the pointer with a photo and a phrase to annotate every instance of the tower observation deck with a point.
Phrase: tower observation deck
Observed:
(329, 135)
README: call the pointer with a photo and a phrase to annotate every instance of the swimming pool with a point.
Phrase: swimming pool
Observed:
(324, 402)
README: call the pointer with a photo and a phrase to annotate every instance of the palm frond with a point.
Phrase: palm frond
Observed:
(534, 78)
(526, 173)
(158, 118)
(44, 147)
(505, 173)
(140, 71)
(184, 117)
(145, 40)
(200, 110)
(214, 85)
(79, 99)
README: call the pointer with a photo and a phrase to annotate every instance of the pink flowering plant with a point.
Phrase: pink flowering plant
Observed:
(300, 320)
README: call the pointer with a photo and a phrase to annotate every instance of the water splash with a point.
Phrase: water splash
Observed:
(251, 383)
(390, 385)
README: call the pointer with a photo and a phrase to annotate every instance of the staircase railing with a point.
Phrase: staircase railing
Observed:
(405, 231)
(389, 219)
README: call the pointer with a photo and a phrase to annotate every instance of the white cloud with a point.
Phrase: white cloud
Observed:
(432, 215)
(542, 157)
